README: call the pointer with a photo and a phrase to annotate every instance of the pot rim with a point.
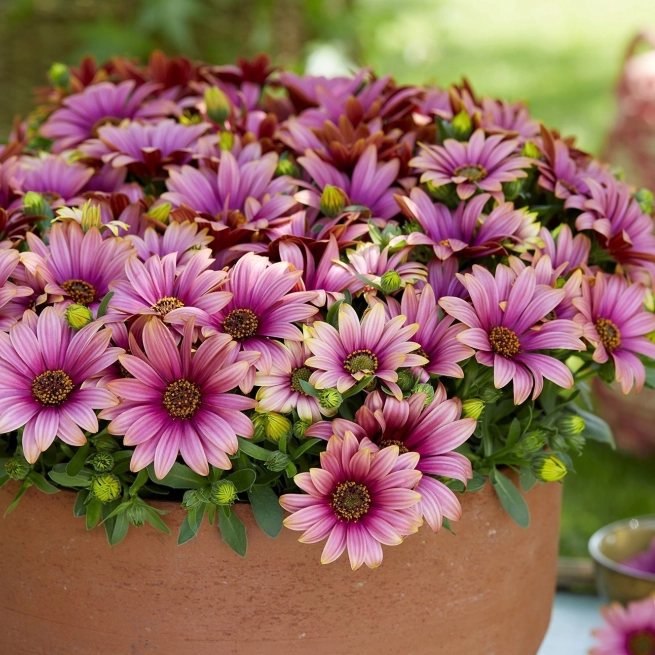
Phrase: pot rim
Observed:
(598, 537)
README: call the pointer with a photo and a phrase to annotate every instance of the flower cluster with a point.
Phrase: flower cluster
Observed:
(357, 297)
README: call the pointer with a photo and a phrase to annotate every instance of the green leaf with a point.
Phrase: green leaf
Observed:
(477, 482)
(76, 464)
(119, 530)
(527, 479)
(109, 514)
(3, 480)
(304, 447)
(650, 377)
(102, 309)
(79, 509)
(309, 389)
(93, 513)
(291, 470)
(82, 479)
(595, 428)
(233, 532)
(41, 483)
(267, 510)
(253, 450)
(20, 493)
(179, 477)
(243, 479)
(510, 498)
(514, 433)
(152, 516)
(332, 315)
(369, 283)
(358, 387)
(190, 525)
(141, 479)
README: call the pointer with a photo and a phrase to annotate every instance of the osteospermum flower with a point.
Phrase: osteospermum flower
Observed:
(511, 118)
(159, 287)
(180, 238)
(483, 163)
(560, 173)
(78, 265)
(43, 366)
(568, 251)
(616, 323)
(360, 498)
(374, 347)
(179, 402)
(507, 328)
(629, 631)
(11, 307)
(280, 389)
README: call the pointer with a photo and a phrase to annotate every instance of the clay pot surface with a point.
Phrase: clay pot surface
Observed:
(487, 590)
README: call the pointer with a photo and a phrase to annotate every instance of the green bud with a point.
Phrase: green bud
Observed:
(196, 497)
(218, 105)
(160, 212)
(101, 462)
(646, 201)
(275, 425)
(59, 75)
(136, 514)
(558, 443)
(446, 193)
(91, 217)
(427, 389)
(286, 167)
(412, 225)
(617, 172)
(490, 395)
(105, 443)
(223, 492)
(462, 126)
(259, 421)
(34, 204)
(570, 424)
(333, 200)
(406, 379)
(78, 316)
(226, 141)
(575, 442)
(530, 150)
(299, 428)
(472, 408)
(17, 467)
(277, 461)
(511, 190)
(330, 398)
(390, 282)
(548, 468)
(106, 487)
(531, 443)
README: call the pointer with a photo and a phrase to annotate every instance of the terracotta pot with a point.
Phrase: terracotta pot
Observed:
(65, 592)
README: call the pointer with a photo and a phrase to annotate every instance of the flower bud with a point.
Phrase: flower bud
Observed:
(195, 497)
(646, 201)
(446, 193)
(531, 443)
(59, 75)
(106, 487)
(472, 408)
(223, 492)
(218, 105)
(136, 514)
(17, 467)
(78, 316)
(330, 398)
(277, 461)
(286, 167)
(490, 395)
(276, 425)
(406, 379)
(530, 150)
(548, 468)
(105, 443)
(390, 282)
(575, 442)
(160, 212)
(427, 389)
(91, 217)
(226, 141)
(34, 204)
(570, 424)
(512, 189)
(333, 200)
(101, 462)
(462, 126)
(412, 225)
(558, 443)
(299, 428)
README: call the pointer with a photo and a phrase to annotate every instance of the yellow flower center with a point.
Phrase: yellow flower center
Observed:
(182, 398)
(472, 172)
(80, 291)
(350, 501)
(52, 388)
(361, 360)
(241, 324)
(642, 642)
(504, 342)
(167, 304)
(298, 374)
(385, 443)
(609, 334)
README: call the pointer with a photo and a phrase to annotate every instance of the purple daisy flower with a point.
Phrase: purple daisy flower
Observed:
(11, 308)
(374, 347)
(360, 498)
(442, 277)
(82, 114)
(79, 265)
(464, 232)
(43, 366)
(629, 631)
(160, 288)
(560, 173)
(616, 323)
(280, 389)
(183, 239)
(179, 402)
(512, 119)
(370, 184)
(483, 163)
(506, 327)
(568, 252)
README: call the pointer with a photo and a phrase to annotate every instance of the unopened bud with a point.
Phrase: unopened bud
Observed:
(218, 105)
(59, 75)
(548, 468)
(78, 316)
(276, 425)
(446, 193)
(531, 443)
(530, 150)
(106, 487)
(102, 462)
(91, 217)
(512, 189)
(646, 201)
(406, 379)
(333, 200)
(472, 408)
(196, 497)
(223, 492)
(299, 428)
(136, 514)
(427, 389)
(330, 398)
(226, 141)
(277, 461)
(160, 212)
(34, 204)
(17, 467)
(286, 167)
(462, 126)
(390, 282)
(570, 424)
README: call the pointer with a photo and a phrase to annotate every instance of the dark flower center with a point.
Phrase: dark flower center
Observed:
(167, 304)
(50, 196)
(51, 388)
(105, 120)
(182, 398)
(571, 188)
(421, 353)
(241, 324)
(641, 643)
(235, 218)
(350, 501)
(298, 374)
(472, 172)
(80, 291)
(504, 342)
(385, 443)
(361, 360)
(609, 334)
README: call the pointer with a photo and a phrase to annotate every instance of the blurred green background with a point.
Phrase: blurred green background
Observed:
(562, 56)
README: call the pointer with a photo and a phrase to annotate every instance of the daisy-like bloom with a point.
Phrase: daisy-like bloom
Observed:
(370, 184)
(179, 238)
(160, 288)
(262, 307)
(438, 339)
(569, 251)
(280, 389)
(59, 182)
(483, 163)
(360, 498)
(43, 366)
(78, 265)
(615, 321)
(83, 113)
(506, 327)
(179, 402)
(629, 630)
(466, 232)
(375, 347)
(145, 148)
(511, 118)
(560, 173)
(11, 305)
(442, 277)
